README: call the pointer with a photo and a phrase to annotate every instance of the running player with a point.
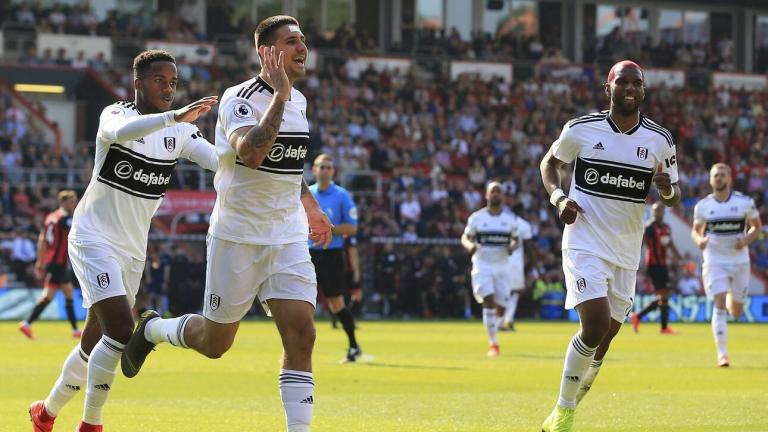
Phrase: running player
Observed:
(658, 238)
(617, 155)
(724, 224)
(517, 262)
(137, 147)
(337, 203)
(53, 262)
(257, 244)
(491, 237)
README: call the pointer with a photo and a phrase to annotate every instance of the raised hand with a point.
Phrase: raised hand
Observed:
(274, 70)
(195, 110)
(662, 181)
(569, 210)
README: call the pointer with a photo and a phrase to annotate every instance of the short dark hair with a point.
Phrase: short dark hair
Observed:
(264, 34)
(142, 61)
(65, 195)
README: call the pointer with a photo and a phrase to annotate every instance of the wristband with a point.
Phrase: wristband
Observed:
(556, 195)
(669, 196)
(169, 118)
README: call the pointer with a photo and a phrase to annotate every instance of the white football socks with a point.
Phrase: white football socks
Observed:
(577, 360)
(102, 367)
(171, 330)
(720, 330)
(491, 325)
(71, 380)
(588, 380)
(509, 313)
(297, 391)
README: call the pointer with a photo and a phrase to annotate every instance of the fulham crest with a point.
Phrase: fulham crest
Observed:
(642, 153)
(170, 143)
(214, 302)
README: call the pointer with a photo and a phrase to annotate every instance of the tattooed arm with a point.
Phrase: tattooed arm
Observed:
(252, 143)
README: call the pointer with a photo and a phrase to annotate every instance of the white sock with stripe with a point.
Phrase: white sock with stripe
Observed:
(170, 330)
(102, 368)
(491, 325)
(71, 380)
(589, 379)
(720, 330)
(297, 391)
(577, 360)
(509, 313)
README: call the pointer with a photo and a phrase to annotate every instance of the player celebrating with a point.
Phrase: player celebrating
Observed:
(137, 147)
(617, 155)
(719, 225)
(257, 244)
(517, 262)
(329, 263)
(490, 237)
(658, 239)
(53, 262)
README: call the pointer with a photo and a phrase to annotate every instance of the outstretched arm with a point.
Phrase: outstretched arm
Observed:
(121, 129)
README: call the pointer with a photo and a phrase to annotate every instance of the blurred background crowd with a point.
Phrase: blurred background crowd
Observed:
(415, 151)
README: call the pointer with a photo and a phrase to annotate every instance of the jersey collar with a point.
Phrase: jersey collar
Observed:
(724, 201)
(629, 132)
(328, 189)
(260, 81)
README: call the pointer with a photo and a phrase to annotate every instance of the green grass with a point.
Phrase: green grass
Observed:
(426, 376)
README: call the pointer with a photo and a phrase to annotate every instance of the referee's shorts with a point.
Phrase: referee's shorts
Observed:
(329, 268)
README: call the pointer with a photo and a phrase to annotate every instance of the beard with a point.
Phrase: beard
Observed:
(626, 109)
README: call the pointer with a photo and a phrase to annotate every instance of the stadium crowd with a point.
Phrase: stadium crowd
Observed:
(434, 143)
(509, 42)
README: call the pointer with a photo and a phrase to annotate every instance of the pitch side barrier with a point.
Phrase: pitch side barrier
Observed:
(696, 309)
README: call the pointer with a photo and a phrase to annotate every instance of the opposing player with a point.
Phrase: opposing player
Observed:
(724, 224)
(337, 203)
(137, 147)
(517, 264)
(658, 238)
(53, 263)
(257, 243)
(491, 237)
(618, 154)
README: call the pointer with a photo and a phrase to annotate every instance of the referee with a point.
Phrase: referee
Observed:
(337, 203)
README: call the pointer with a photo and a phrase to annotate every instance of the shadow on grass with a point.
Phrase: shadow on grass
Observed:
(406, 366)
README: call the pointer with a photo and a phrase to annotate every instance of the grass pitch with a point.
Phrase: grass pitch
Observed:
(426, 376)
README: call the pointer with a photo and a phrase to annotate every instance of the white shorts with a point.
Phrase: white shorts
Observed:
(488, 281)
(104, 272)
(238, 273)
(721, 278)
(589, 277)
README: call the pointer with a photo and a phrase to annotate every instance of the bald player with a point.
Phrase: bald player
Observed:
(617, 154)
(490, 237)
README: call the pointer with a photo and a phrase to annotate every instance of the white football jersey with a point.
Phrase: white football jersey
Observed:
(493, 233)
(725, 222)
(516, 260)
(611, 178)
(129, 180)
(260, 206)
